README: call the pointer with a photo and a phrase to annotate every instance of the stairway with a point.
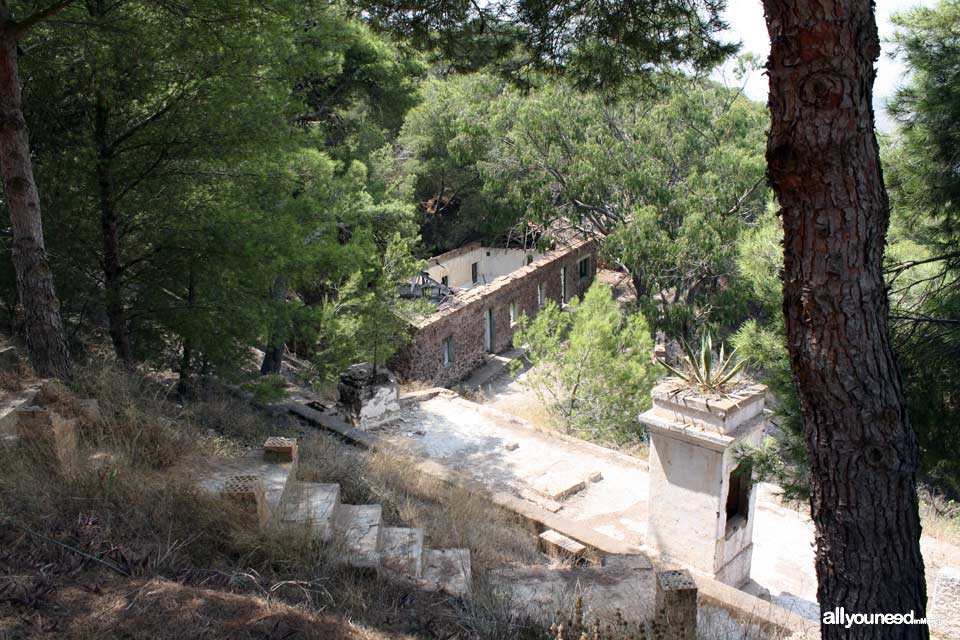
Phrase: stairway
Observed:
(282, 500)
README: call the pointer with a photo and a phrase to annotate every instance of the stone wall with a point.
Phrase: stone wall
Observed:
(463, 318)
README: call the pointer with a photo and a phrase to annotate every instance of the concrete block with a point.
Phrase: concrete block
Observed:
(361, 530)
(550, 505)
(8, 412)
(403, 551)
(511, 446)
(368, 396)
(557, 545)
(596, 476)
(277, 449)
(9, 360)
(558, 486)
(51, 435)
(312, 504)
(447, 570)
(702, 503)
(676, 604)
(89, 411)
(945, 610)
(247, 491)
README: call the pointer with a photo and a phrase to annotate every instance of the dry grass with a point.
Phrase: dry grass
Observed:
(128, 511)
(527, 407)
(412, 386)
(940, 516)
(89, 607)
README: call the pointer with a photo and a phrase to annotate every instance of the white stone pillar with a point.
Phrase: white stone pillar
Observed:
(702, 501)
(368, 397)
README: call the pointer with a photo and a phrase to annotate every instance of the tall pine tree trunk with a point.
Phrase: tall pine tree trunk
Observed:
(824, 166)
(273, 354)
(184, 385)
(46, 340)
(110, 238)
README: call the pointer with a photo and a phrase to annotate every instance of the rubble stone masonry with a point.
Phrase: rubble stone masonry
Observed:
(463, 317)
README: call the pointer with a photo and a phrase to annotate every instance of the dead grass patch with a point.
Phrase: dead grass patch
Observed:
(533, 411)
(131, 512)
(89, 608)
(940, 516)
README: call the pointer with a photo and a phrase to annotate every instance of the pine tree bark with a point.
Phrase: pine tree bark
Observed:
(823, 163)
(184, 385)
(110, 238)
(46, 340)
(273, 354)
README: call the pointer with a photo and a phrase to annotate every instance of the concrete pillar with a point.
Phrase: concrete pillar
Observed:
(676, 605)
(368, 397)
(9, 360)
(48, 434)
(701, 500)
(945, 610)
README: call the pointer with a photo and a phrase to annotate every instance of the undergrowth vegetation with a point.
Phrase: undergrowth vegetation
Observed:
(123, 542)
(131, 509)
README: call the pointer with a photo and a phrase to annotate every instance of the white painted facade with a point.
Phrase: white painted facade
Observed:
(491, 264)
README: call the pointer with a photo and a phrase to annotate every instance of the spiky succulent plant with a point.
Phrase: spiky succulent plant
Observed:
(704, 372)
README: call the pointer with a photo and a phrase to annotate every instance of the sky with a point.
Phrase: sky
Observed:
(745, 18)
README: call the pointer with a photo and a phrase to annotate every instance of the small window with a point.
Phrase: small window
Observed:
(738, 496)
(475, 272)
(540, 296)
(445, 281)
(584, 266)
(513, 313)
(447, 348)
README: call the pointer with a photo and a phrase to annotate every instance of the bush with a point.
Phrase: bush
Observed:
(591, 364)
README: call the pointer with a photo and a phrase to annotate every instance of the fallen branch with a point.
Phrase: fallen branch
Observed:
(106, 563)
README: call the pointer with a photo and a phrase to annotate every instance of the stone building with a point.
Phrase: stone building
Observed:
(479, 295)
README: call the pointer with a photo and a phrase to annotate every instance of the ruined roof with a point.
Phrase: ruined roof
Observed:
(463, 297)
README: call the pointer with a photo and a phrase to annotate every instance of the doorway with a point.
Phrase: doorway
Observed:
(488, 334)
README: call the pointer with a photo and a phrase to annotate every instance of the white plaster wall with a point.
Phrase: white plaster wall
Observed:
(741, 538)
(382, 407)
(686, 483)
(500, 262)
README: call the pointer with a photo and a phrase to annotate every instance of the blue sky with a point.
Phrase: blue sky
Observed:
(745, 18)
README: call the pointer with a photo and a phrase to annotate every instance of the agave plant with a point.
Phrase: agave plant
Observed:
(706, 373)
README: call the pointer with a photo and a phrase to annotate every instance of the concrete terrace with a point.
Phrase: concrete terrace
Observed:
(507, 454)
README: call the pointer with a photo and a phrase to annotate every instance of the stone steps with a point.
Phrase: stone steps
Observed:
(446, 570)
(557, 545)
(366, 541)
(274, 475)
(403, 551)
(361, 529)
(313, 505)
